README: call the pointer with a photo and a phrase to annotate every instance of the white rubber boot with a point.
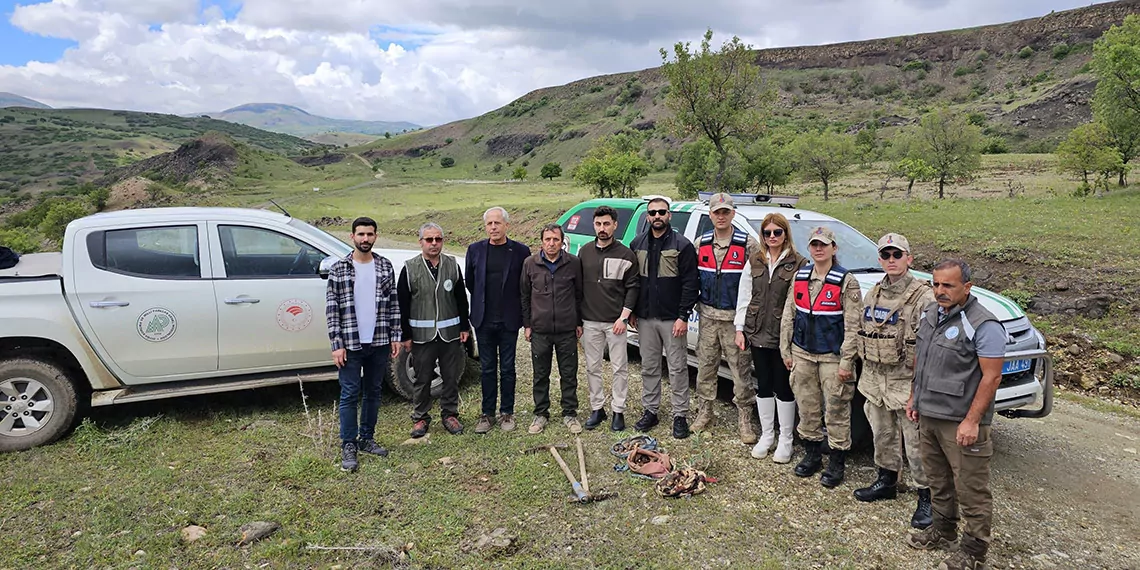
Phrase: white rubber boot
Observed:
(766, 410)
(787, 416)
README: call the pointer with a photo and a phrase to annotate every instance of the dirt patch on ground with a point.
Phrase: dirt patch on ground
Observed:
(128, 192)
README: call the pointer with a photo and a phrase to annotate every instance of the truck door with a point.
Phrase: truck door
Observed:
(145, 300)
(270, 300)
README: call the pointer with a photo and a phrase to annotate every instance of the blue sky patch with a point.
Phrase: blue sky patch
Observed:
(18, 47)
(407, 38)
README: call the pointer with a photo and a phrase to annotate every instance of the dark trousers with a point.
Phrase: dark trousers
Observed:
(429, 361)
(497, 364)
(360, 388)
(772, 377)
(542, 347)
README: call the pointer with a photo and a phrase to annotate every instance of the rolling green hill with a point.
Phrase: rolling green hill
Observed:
(298, 122)
(13, 100)
(42, 149)
(1026, 82)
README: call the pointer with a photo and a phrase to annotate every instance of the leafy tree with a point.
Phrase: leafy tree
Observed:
(551, 170)
(447, 162)
(387, 135)
(612, 167)
(519, 173)
(950, 145)
(21, 240)
(497, 168)
(766, 165)
(60, 214)
(1116, 104)
(1088, 151)
(823, 156)
(714, 94)
(868, 147)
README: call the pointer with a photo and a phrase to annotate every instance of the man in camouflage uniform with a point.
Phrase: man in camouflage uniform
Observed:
(891, 312)
(721, 255)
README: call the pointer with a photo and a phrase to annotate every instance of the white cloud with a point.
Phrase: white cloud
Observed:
(344, 58)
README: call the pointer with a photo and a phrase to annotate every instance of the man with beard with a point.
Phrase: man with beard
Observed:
(363, 317)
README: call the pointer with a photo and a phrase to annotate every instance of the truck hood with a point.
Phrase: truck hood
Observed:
(1001, 307)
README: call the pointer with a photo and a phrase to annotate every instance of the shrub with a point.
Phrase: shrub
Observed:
(519, 174)
(976, 118)
(497, 168)
(19, 240)
(476, 139)
(59, 215)
(995, 145)
(448, 140)
(1061, 51)
(613, 111)
(526, 163)
(963, 70)
(1025, 53)
(447, 162)
(597, 88)
(982, 56)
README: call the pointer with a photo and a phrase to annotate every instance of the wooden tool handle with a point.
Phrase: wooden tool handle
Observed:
(562, 464)
(582, 465)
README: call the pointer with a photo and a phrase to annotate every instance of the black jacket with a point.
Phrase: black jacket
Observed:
(475, 275)
(669, 281)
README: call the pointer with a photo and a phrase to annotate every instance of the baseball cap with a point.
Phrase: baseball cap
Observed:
(897, 241)
(822, 234)
(721, 201)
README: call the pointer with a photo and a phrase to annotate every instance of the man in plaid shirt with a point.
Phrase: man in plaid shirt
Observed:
(364, 329)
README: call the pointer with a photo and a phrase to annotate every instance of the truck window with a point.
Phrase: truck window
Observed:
(679, 220)
(582, 222)
(704, 226)
(163, 253)
(260, 253)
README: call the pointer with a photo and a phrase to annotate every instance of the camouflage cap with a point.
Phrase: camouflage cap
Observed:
(823, 235)
(897, 241)
(721, 201)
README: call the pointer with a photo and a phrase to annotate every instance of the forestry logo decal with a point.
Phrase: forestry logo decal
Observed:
(294, 315)
(157, 324)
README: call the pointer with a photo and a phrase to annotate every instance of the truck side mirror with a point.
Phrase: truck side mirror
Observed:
(326, 265)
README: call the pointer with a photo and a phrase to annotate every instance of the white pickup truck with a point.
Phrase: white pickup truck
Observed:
(157, 303)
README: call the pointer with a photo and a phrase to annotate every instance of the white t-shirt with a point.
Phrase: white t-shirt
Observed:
(364, 300)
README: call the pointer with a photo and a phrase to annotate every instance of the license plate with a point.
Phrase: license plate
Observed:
(1015, 366)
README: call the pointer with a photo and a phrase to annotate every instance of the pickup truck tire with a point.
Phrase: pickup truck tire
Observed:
(38, 403)
(400, 378)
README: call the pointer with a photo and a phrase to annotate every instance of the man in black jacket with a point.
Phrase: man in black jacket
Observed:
(494, 267)
(667, 265)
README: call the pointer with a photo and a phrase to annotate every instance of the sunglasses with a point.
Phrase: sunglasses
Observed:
(773, 233)
(887, 254)
(657, 212)
(433, 239)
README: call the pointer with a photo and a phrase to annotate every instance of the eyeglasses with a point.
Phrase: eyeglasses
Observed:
(889, 253)
(774, 233)
(657, 212)
(433, 239)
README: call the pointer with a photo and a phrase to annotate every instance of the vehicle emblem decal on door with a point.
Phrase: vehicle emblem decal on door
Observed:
(157, 324)
(294, 315)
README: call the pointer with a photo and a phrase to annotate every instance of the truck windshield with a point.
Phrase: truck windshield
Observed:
(856, 252)
(322, 238)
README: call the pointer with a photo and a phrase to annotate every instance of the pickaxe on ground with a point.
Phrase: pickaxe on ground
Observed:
(581, 494)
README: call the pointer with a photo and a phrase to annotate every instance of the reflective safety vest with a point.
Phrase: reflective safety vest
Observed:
(433, 309)
(719, 284)
(818, 326)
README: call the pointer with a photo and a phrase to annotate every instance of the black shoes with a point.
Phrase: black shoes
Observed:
(812, 461)
(371, 447)
(680, 427)
(647, 422)
(618, 423)
(596, 418)
(348, 462)
(922, 518)
(833, 475)
(885, 487)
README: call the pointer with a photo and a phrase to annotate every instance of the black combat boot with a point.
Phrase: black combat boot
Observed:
(647, 421)
(922, 517)
(885, 487)
(596, 418)
(836, 464)
(812, 461)
(680, 427)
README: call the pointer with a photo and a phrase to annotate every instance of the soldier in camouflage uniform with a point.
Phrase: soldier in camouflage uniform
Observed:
(817, 343)
(721, 256)
(891, 312)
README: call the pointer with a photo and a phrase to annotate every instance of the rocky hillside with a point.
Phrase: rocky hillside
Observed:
(1027, 81)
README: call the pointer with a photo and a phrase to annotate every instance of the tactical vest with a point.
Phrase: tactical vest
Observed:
(884, 334)
(433, 307)
(818, 325)
(719, 284)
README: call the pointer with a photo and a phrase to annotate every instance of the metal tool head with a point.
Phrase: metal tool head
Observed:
(546, 447)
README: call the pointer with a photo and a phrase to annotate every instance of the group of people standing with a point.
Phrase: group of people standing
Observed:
(930, 354)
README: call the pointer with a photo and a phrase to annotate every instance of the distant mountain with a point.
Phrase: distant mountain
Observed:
(294, 121)
(13, 100)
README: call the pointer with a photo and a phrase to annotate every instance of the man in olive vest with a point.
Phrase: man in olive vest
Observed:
(886, 344)
(434, 318)
(960, 348)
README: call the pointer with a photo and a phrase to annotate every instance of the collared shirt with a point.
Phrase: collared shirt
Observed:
(340, 309)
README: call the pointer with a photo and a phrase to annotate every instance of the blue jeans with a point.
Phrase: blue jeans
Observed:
(497, 361)
(360, 385)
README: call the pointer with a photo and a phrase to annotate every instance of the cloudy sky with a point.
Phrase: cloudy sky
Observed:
(425, 61)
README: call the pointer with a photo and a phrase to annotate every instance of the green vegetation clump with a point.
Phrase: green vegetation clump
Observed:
(1061, 51)
(1025, 53)
(521, 107)
(447, 162)
(917, 65)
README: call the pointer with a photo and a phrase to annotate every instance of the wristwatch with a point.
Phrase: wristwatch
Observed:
(625, 320)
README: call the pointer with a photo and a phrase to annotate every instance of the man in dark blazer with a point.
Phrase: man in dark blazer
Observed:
(494, 267)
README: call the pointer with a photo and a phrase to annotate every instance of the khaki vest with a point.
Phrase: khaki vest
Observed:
(884, 335)
(433, 307)
(947, 373)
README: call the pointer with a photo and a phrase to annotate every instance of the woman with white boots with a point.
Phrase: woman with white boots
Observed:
(764, 287)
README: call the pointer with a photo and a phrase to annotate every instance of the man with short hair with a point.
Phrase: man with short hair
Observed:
(494, 269)
(433, 316)
(886, 344)
(551, 294)
(960, 351)
(667, 290)
(721, 255)
(610, 287)
(363, 317)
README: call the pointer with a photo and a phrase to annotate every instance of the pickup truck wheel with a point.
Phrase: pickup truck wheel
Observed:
(37, 401)
(402, 375)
